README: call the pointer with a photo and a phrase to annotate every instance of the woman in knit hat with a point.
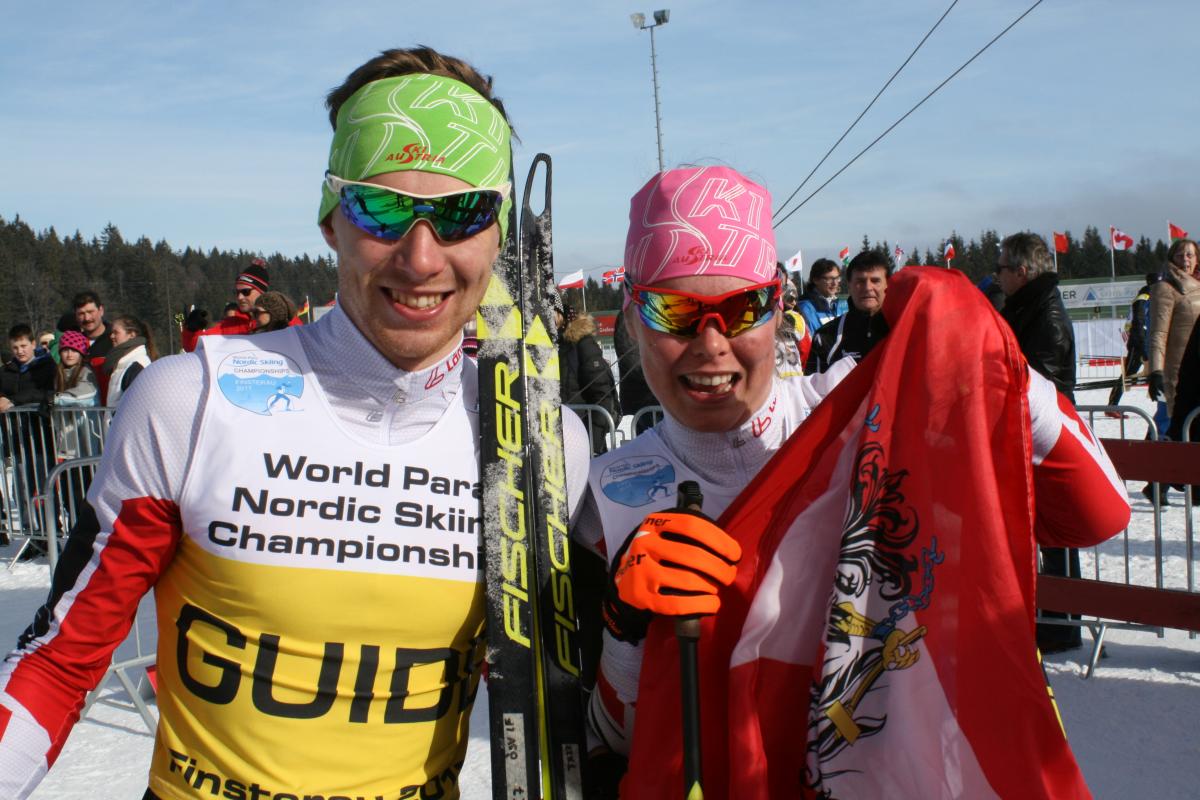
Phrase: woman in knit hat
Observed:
(273, 311)
(75, 383)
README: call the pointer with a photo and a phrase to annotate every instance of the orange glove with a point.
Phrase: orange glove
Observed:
(673, 564)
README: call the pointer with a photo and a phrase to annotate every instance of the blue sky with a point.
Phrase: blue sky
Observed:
(202, 123)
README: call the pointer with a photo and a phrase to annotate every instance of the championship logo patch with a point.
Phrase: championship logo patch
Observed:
(637, 481)
(265, 383)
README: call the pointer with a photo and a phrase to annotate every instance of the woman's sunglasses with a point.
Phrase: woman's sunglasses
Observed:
(685, 314)
(390, 214)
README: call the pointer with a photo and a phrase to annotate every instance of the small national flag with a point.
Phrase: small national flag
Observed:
(1061, 245)
(1175, 232)
(948, 253)
(844, 255)
(572, 281)
(614, 275)
(796, 263)
(1120, 240)
(898, 256)
(303, 310)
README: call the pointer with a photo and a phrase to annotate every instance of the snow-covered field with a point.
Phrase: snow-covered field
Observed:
(1132, 725)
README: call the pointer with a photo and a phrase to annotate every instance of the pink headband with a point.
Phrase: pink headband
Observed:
(700, 221)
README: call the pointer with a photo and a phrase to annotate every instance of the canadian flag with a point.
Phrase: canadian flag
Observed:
(948, 253)
(572, 281)
(1120, 240)
(614, 275)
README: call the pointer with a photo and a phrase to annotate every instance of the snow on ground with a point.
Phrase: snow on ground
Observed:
(1132, 725)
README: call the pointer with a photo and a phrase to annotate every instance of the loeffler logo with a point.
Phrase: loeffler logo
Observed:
(415, 152)
(695, 254)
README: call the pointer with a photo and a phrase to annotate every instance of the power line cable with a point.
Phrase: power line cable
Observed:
(846, 132)
(909, 112)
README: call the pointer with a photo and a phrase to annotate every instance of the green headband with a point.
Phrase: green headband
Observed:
(423, 122)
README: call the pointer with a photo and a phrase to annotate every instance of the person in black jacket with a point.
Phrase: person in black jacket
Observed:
(27, 380)
(1135, 347)
(586, 376)
(862, 326)
(1035, 311)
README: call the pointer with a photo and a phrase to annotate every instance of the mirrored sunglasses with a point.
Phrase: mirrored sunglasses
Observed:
(685, 314)
(390, 214)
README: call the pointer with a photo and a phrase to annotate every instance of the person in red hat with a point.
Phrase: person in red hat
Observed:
(249, 286)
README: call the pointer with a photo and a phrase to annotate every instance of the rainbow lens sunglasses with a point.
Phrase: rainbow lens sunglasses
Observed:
(685, 314)
(390, 213)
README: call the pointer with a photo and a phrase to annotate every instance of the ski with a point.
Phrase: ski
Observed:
(561, 702)
(535, 700)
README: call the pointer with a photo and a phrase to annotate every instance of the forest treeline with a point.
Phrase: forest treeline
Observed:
(40, 271)
(1086, 257)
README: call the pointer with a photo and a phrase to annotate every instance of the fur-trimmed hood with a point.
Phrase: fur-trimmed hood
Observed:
(583, 325)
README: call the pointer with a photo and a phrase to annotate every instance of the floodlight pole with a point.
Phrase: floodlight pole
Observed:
(660, 18)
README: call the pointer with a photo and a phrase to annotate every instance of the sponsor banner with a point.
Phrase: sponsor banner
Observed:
(1106, 293)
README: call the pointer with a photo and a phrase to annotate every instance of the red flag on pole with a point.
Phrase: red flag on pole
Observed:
(878, 639)
(1061, 245)
(1175, 232)
(948, 253)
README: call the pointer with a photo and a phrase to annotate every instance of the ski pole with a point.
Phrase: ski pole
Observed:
(687, 632)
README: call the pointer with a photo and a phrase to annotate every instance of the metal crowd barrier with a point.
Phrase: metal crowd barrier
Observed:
(64, 495)
(653, 413)
(80, 432)
(32, 441)
(1188, 522)
(592, 414)
(27, 454)
(1101, 565)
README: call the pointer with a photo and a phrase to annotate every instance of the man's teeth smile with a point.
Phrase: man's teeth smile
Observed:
(417, 301)
(714, 384)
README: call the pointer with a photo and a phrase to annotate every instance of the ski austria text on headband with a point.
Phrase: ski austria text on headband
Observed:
(685, 314)
(390, 214)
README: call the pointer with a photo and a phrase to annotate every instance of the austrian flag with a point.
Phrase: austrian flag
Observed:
(572, 281)
(878, 638)
(1120, 240)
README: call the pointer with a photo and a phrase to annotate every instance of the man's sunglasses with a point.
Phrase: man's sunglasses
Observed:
(244, 292)
(685, 314)
(390, 214)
